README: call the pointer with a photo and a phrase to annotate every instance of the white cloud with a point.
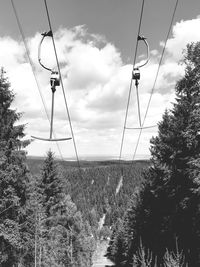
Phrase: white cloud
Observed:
(11, 52)
(184, 32)
(97, 84)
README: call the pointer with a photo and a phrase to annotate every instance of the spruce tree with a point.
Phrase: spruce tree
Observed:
(13, 181)
(51, 182)
(168, 204)
(36, 221)
(173, 205)
(68, 240)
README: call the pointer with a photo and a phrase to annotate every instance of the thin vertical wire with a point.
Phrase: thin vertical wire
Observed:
(62, 85)
(156, 77)
(131, 83)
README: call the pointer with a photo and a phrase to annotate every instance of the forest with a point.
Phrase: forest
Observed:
(161, 226)
(53, 213)
(51, 210)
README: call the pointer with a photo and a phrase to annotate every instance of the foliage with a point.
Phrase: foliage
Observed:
(167, 205)
(39, 221)
(172, 259)
(14, 238)
(143, 257)
(95, 191)
(62, 238)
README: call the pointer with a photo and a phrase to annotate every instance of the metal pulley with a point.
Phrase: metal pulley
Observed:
(55, 79)
(136, 74)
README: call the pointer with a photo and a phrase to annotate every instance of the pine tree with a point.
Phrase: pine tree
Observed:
(13, 180)
(173, 207)
(68, 240)
(51, 182)
(168, 208)
(36, 221)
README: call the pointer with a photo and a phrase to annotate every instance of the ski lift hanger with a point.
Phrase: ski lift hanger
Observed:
(136, 77)
(54, 82)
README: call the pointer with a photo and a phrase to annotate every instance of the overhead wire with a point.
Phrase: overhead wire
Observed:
(130, 87)
(32, 67)
(156, 77)
(62, 85)
(152, 90)
(154, 84)
(37, 82)
(66, 104)
(129, 96)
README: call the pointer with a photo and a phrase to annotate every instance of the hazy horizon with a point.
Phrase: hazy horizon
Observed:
(99, 157)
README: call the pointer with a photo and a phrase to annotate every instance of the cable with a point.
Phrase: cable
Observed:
(146, 127)
(156, 77)
(32, 67)
(138, 104)
(152, 91)
(62, 85)
(66, 105)
(131, 83)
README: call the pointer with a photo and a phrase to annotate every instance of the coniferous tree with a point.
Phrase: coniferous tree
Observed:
(168, 204)
(36, 221)
(13, 181)
(68, 238)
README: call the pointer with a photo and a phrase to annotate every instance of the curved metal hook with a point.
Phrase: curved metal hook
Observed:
(45, 34)
(142, 38)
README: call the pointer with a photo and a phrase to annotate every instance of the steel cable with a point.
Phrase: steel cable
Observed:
(130, 87)
(62, 85)
(156, 77)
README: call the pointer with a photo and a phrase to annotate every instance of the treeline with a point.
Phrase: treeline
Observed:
(161, 227)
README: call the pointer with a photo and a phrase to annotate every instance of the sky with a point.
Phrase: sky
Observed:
(95, 42)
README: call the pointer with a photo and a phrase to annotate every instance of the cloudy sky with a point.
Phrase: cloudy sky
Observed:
(95, 41)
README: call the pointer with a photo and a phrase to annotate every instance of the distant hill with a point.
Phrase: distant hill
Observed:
(35, 163)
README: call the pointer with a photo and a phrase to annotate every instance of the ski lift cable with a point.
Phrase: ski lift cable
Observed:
(66, 105)
(156, 77)
(145, 127)
(62, 85)
(33, 68)
(131, 83)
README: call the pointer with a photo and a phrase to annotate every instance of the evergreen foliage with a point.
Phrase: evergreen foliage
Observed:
(14, 175)
(95, 192)
(39, 222)
(63, 238)
(167, 207)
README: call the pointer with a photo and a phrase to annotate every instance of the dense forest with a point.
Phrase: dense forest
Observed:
(161, 225)
(99, 188)
(52, 213)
